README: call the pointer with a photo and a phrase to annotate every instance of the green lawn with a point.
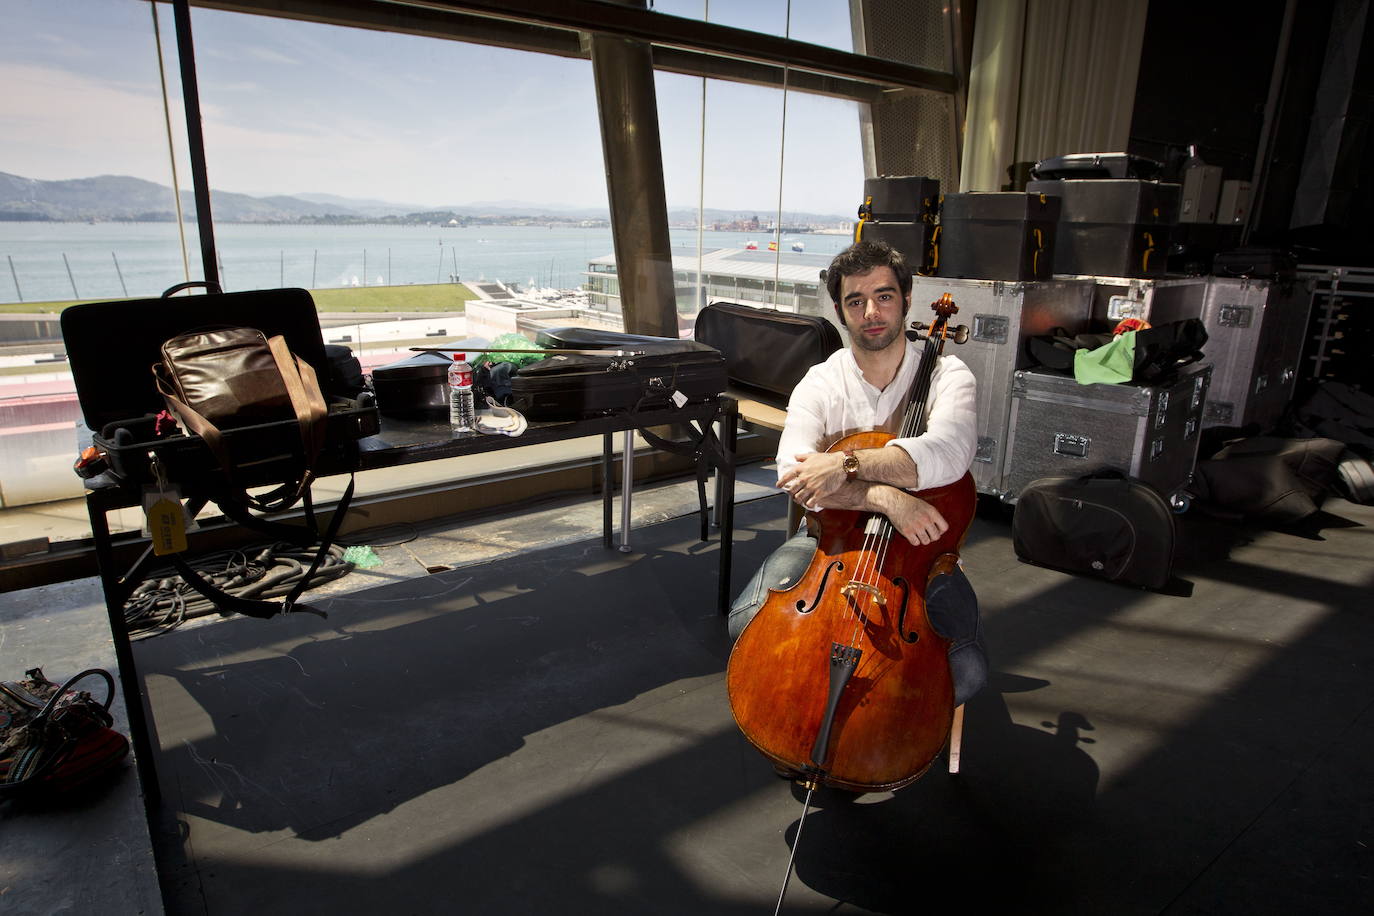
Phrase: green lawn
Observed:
(430, 297)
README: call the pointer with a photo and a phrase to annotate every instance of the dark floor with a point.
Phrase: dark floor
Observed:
(550, 733)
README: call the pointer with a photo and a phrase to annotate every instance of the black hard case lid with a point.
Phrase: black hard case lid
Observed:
(1097, 165)
(112, 346)
(903, 198)
(1014, 206)
(1125, 201)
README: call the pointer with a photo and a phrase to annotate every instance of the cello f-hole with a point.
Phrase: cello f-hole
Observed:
(914, 635)
(802, 606)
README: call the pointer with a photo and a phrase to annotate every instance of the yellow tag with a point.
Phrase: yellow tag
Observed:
(166, 526)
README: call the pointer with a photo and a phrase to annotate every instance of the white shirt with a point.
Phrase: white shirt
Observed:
(833, 400)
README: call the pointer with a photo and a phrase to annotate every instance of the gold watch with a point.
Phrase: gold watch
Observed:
(851, 465)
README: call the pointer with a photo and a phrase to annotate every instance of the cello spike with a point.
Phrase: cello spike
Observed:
(810, 783)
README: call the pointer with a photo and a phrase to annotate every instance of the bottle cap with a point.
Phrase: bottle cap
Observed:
(460, 357)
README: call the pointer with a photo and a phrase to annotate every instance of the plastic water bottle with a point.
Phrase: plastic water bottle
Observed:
(460, 409)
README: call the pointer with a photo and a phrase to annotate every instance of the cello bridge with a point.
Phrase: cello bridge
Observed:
(850, 588)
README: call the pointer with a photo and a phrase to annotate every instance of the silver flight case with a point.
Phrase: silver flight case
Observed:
(1255, 335)
(1115, 298)
(1060, 428)
(1001, 316)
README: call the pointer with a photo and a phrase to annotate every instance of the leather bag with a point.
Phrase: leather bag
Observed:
(228, 378)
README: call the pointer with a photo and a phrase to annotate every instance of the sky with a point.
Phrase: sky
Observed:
(290, 108)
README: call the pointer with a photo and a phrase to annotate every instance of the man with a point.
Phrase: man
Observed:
(865, 387)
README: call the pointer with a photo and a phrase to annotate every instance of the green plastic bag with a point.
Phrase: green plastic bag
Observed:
(1110, 364)
(515, 342)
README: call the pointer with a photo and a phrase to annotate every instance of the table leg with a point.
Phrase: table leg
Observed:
(110, 586)
(607, 486)
(725, 501)
(627, 485)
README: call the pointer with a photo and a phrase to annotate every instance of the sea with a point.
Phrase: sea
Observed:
(49, 261)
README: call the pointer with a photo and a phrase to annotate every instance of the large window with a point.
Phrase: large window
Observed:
(85, 152)
(414, 158)
(386, 160)
(774, 174)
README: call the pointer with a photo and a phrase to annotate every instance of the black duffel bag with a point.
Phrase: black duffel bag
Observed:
(766, 350)
(1104, 524)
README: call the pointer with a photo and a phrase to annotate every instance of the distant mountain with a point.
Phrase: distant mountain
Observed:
(119, 197)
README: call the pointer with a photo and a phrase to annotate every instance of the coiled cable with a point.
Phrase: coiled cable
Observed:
(163, 600)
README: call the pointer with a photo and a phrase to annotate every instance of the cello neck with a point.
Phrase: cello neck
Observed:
(914, 420)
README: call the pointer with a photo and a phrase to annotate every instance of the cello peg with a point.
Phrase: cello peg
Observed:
(961, 334)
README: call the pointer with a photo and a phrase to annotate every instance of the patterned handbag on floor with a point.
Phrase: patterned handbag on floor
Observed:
(55, 739)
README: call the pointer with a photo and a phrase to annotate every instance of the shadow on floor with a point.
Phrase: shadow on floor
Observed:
(551, 734)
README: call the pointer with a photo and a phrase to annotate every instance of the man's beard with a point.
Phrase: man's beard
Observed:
(864, 342)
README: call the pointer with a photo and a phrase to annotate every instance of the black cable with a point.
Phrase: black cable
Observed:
(163, 601)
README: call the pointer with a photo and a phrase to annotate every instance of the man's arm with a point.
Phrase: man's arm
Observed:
(813, 482)
(884, 475)
(917, 520)
(937, 457)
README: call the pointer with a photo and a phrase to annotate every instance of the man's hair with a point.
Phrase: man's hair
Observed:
(860, 258)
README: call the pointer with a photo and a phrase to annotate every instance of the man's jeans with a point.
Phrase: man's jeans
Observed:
(951, 606)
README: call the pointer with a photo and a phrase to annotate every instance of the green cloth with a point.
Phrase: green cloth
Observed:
(1109, 364)
(362, 556)
(515, 342)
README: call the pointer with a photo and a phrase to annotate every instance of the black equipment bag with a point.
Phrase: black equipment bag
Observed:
(1339, 411)
(1103, 524)
(638, 373)
(112, 345)
(1269, 480)
(345, 372)
(998, 235)
(766, 351)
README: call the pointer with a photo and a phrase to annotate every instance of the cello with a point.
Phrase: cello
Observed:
(840, 677)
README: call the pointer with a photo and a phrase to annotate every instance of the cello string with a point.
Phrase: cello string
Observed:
(876, 543)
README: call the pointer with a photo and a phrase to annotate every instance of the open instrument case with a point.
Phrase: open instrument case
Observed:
(112, 347)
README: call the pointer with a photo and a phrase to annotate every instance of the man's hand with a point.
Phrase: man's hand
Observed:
(816, 478)
(914, 518)
(917, 520)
